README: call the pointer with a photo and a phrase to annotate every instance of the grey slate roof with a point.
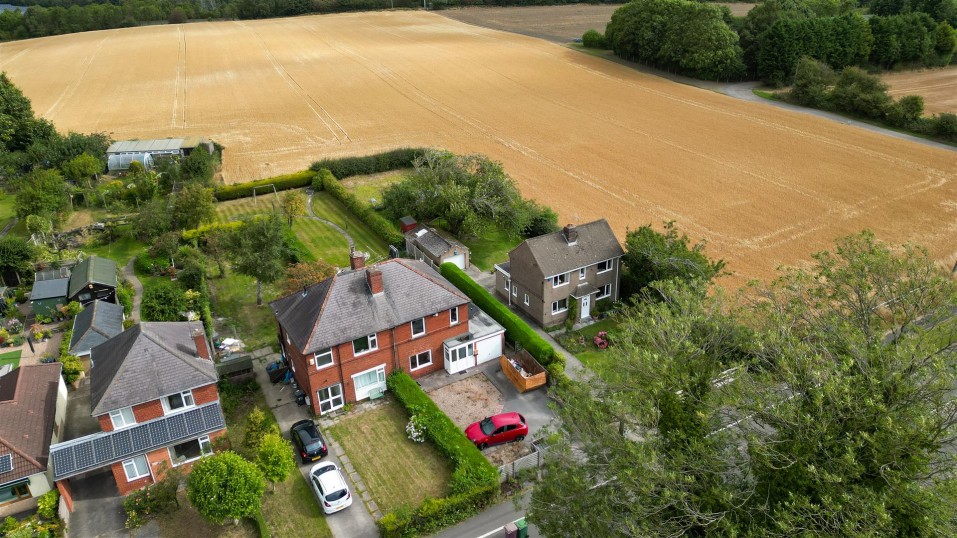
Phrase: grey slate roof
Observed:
(74, 457)
(146, 362)
(432, 243)
(553, 255)
(94, 325)
(49, 289)
(341, 309)
(92, 270)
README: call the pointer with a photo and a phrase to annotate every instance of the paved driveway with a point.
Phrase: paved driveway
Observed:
(98, 509)
(353, 522)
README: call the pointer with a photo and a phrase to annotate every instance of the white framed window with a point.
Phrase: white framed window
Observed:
(604, 267)
(420, 360)
(368, 381)
(454, 315)
(526, 299)
(508, 285)
(418, 327)
(560, 305)
(190, 450)
(136, 468)
(604, 291)
(514, 291)
(178, 401)
(581, 274)
(459, 353)
(330, 398)
(365, 344)
(559, 280)
(122, 418)
(324, 359)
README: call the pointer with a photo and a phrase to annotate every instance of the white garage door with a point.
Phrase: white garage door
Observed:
(458, 260)
(489, 348)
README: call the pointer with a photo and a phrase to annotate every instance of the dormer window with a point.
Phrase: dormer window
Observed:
(559, 280)
(122, 418)
(178, 401)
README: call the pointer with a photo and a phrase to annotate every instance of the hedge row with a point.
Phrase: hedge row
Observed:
(474, 481)
(197, 233)
(284, 182)
(344, 167)
(328, 182)
(516, 330)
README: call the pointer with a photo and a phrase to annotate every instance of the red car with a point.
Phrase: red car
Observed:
(497, 429)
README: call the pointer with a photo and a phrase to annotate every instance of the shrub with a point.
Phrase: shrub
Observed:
(72, 368)
(474, 481)
(159, 498)
(202, 231)
(124, 296)
(379, 225)
(258, 425)
(163, 301)
(47, 504)
(225, 486)
(944, 125)
(906, 112)
(860, 93)
(811, 82)
(283, 182)
(594, 39)
(369, 164)
(516, 330)
(65, 342)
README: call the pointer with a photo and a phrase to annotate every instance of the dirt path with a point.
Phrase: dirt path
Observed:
(130, 274)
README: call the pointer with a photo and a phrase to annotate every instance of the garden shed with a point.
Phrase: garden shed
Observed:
(48, 295)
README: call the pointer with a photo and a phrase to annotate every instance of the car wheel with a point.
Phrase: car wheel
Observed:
(520, 438)
(482, 446)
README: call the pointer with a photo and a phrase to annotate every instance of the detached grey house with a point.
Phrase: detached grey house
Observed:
(425, 244)
(545, 273)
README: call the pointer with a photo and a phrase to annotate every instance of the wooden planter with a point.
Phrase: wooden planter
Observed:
(529, 376)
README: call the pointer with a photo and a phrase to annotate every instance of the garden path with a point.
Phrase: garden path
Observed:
(335, 226)
(130, 275)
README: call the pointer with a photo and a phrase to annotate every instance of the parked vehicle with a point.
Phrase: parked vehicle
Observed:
(497, 429)
(330, 487)
(309, 442)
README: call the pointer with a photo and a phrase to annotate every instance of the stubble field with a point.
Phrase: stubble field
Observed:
(588, 137)
(938, 87)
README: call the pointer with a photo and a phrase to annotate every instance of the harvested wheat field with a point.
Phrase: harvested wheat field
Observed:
(938, 87)
(589, 137)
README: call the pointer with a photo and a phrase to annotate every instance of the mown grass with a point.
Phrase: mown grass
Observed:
(327, 207)
(234, 298)
(398, 471)
(8, 209)
(490, 248)
(11, 357)
(367, 187)
(581, 344)
(123, 247)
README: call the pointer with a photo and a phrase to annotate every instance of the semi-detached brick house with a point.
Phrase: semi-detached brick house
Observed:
(344, 335)
(153, 391)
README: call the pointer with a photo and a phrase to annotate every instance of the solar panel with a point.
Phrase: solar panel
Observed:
(159, 432)
(177, 427)
(103, 449)
(6, 463)
(194, 420)
(213, 416)
(62, 462)
(141, 437)
(83, 453)
(122, 443)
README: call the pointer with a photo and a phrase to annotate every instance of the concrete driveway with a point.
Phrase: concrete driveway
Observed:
(98, 509)
(353, 522)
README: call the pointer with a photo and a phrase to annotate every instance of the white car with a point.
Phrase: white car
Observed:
(330, 486)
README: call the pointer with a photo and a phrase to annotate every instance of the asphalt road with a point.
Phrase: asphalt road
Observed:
(490, 523)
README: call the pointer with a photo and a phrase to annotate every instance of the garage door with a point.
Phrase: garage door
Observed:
(458, 260)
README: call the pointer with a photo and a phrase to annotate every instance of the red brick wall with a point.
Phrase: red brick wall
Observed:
(66, 493)
(105, 423)
(159, 462)
(148, 411)
(119, 475)
(205, 394)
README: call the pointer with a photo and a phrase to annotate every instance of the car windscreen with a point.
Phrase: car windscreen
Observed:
(315, 446)
(487, 426)
(336, 495)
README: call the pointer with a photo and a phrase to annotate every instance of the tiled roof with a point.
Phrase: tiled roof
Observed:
(596, 242)
(27, 413)
(146, 362)
(94, 325)
(49, 289)
(341, 308)
(92, 270)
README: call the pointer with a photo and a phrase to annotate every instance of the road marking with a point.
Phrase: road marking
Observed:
(497, 529)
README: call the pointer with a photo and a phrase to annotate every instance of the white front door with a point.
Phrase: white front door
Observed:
(585, 307)
(459, 358)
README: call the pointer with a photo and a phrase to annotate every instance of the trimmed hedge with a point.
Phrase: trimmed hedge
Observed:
(474, 481)
(197, 233)
(284, 182)
(344, 167)
(516, 330)
(373, 220)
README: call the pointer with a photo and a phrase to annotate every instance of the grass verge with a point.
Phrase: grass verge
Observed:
(399, 471)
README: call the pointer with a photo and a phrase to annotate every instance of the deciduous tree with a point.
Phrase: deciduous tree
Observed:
(653, 256)
(275, 458)
(225, 486)
(302, 275)
(259, 250)
(293, 205)
(193, 206)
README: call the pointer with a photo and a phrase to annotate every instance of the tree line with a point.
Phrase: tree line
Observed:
(705, 41)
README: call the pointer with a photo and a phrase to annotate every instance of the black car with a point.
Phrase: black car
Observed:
(309, 442)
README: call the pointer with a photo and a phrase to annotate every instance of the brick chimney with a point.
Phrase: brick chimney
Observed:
(374, 278)
(357, 260)
(570, 233)
(202, 349)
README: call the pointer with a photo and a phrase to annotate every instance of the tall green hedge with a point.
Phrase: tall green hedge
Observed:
(284, 182)
(344, 167)
(373, 220)
(516, 330)
(474, 481)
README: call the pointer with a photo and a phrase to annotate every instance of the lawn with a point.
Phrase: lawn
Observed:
(187, 522)
(234, 298)
(327, 207)
(397, 471)
(490, 248)
(11, 357)
(581, 344)
(120, 250)
(7, 209)
(368, 187)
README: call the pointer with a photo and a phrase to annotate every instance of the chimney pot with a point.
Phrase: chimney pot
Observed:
(374, 279)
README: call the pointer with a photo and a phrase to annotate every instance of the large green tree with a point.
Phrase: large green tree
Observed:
(225, 486)
(654, 256)
(192, 206)
(260, 250)
(275, 458)
(43, 192)
(16, 259)
(18, 126)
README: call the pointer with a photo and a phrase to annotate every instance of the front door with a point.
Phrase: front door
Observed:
(459, 358)
(585, 307)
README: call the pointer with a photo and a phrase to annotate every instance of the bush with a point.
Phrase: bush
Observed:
(72, 368)
(369, 164)
(811, 82)
(594, 39)
(163, 301)
(944, 125)
(906, 112)
(857, 92)
(376, 222)
(474, 480)
(159, 498)
(150, 265)
(281, 183)
(516, 330)
(47, 504)
(124, 296)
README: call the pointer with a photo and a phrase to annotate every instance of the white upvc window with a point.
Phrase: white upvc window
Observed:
(605, 266)
(178, 402)
(330, 398)
(514, 290)
(508, 285)
(559, 280)
(526, 299)
(560, 305)
(324, 359)
(136, 468)
(122, 418)
(420, 360)
(418, 327)
(604, 291)
(581, 274)
(191, 450)
(454, 315)
(364, 344)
